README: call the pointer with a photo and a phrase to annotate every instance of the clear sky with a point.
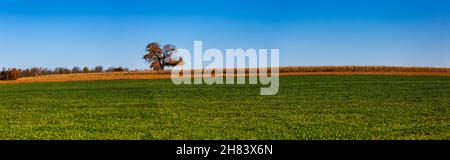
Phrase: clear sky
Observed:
(53, 33)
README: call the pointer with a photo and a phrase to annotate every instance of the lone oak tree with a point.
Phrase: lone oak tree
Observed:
(160, 57)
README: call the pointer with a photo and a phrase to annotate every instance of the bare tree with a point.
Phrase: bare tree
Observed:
(76, 69)
(36, 71)
(98, 69)
(61, 70)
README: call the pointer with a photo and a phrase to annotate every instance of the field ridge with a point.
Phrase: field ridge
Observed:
(283, 71)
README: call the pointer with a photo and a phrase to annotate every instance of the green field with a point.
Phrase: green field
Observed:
(307, 107)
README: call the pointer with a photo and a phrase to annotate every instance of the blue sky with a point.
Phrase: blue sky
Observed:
(51, 33)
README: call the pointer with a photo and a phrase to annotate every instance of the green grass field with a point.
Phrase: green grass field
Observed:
(307, 107)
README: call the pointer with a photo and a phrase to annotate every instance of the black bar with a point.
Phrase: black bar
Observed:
(169, 148)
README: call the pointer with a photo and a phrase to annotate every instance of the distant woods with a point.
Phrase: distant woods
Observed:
(14, 73)
(10, 74)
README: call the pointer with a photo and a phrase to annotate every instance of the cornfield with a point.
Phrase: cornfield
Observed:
(361, 69)
(325, 69)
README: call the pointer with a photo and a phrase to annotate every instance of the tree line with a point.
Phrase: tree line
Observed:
(15, 73)
(158, 57)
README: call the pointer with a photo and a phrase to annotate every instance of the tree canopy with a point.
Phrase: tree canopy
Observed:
(159, 57)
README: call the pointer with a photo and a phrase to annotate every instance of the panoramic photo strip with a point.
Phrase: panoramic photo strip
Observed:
(234, 79)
